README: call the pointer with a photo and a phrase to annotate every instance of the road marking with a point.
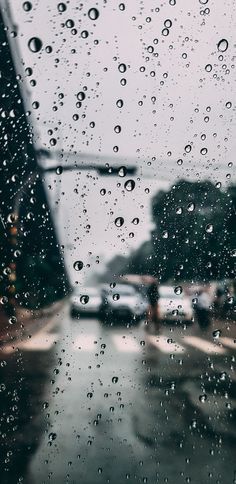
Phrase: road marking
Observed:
(231, 343)
(39, 342)
(84, 342)
(204, 345)
(125, 343)
(164, 344)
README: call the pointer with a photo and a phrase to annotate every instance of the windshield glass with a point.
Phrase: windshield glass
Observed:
(117, 242)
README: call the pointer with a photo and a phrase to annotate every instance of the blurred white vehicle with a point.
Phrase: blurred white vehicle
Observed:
(86, 300)
(122, 301)
(174, 307)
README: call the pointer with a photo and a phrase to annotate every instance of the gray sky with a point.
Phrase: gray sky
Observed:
(173, 103)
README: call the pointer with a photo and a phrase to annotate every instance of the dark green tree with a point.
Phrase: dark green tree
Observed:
(192, 238)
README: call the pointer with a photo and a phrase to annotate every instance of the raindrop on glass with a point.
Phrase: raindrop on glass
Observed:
(188, 148)
(222, 45)
(84, 299)
(59, 170)
(35, 44)
(119, 103)
(191, 207)
(27, 6)
(208, 68)
(122, 68)
(93, 13)
(209, 228)
(61, 7)
(129, 185)
(122, 171)
(178, 290)
(119, 221)
(78, 265)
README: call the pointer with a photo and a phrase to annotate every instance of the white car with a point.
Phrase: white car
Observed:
(174, 307)
(86, 300)
(122, 301)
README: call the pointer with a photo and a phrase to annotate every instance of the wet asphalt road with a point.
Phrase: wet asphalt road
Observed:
(83, 402)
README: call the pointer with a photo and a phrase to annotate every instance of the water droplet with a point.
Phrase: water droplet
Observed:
(191, 207)
(203, 151)
(142, 343)
(12, 320)
(188, 148)
(93, 13)
(48, 49)
(122, 171)
(203, 398)
(165, 234)
(35, 44)
(228, 105)
(129, 185)
(27, 6)
(59, 170)
(217, 333)
(84, 34)
(70, 23)
(209, 228)
(222, 45)
(223, 376)
(122, 7)
(119, 103)
(78, 265)
(84, 299)
(103, 191)
(119, 221)
(208, 68)
(165, 32)
(52, 436)
(61, 7)
(168, 23)
(122, 67)
(115, 379)
(135, 221)
(116, 297)
(89, 395)
(179, 162)
(81, 96)
(117, 129)
(233, 253)
(178, 290)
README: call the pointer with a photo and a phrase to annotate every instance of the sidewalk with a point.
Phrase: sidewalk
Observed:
(28, 322)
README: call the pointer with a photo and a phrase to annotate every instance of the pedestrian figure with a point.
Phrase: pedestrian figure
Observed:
(153, 298)
(203, 310)
(219, 302)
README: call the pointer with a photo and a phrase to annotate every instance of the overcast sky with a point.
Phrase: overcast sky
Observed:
(174, 107)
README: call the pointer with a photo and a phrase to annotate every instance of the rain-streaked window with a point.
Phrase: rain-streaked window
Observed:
(117, 242)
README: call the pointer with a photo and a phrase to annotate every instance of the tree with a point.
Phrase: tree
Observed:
(192, 238)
